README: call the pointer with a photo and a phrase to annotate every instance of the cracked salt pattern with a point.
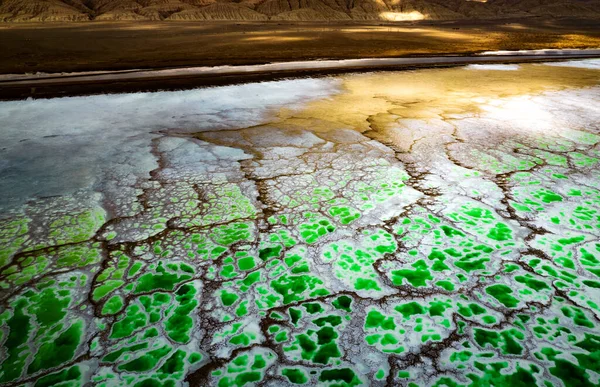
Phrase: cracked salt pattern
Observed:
(431, 227)
(95, 141)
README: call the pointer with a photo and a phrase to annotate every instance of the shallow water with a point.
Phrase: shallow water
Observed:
(436, 227)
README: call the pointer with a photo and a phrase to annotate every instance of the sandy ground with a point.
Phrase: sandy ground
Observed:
(67, 47)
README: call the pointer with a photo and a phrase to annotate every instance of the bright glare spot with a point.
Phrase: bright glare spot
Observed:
(521, 112)
(402, 16)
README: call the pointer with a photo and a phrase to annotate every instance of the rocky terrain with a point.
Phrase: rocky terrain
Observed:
(290, 10)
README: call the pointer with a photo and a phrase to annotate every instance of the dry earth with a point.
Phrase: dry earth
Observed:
(66, 47)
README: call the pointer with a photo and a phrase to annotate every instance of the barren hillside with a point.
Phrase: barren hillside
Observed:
(293, 10)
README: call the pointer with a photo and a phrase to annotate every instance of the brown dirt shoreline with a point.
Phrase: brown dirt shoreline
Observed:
(105, 84)
(90, 46)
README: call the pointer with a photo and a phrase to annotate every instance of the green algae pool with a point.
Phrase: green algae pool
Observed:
(423, 228)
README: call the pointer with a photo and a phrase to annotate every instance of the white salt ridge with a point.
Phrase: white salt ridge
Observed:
(365, 63)
(593, 64)
(493, 67)
(558, 52)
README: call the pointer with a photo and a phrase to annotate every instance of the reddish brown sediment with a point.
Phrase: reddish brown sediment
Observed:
(73, 47)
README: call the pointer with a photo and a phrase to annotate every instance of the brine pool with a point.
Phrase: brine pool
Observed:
(436, 227)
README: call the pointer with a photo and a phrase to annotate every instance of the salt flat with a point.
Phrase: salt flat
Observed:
(436, 227)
